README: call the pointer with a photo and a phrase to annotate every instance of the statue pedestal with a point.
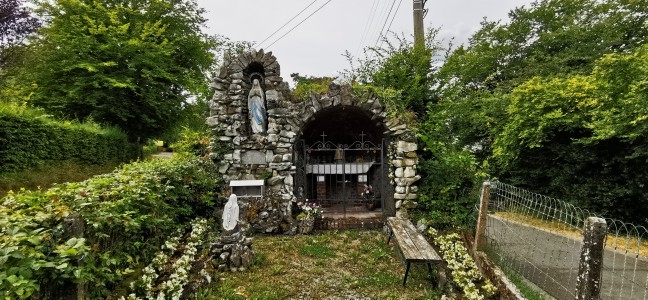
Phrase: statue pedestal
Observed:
(232, 252)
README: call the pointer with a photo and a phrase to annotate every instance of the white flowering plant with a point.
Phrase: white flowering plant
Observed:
(463, 268)
(174, 286)
(308, 210)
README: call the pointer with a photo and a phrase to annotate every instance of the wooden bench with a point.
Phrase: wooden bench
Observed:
(413, 246)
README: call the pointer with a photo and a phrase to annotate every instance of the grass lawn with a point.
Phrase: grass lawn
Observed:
(328, 265)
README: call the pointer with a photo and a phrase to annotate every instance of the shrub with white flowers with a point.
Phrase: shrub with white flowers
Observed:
(463, 268)
(173, 287)
(151, 272)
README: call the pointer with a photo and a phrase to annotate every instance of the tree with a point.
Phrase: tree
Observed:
(582, 137)
(402, 67)
(16, 23)
(130, 63)
(548, 38)
(551, 37)
(554, 101)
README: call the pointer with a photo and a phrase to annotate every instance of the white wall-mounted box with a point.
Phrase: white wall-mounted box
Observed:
(247, 188)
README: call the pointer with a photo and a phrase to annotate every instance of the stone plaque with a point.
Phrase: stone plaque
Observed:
(253, 158)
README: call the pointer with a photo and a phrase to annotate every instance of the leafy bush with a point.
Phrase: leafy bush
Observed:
(193, 142)
(29, 138)
(448, 172)
(126, 216)
(309, 84)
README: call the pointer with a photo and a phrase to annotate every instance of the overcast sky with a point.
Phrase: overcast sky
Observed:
(316, 46)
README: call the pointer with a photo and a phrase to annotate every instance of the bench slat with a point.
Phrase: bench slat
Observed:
(413, 245)
(422, 245)
(408, 248)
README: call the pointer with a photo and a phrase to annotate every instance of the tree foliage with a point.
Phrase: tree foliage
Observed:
(402, 67)
(16, 23)
(550, 37)
(554, 101)
(406, 79)
(129, 63)
(584, 136)
(309, 84)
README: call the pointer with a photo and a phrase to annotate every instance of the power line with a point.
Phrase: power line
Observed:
(289, 31)
(393, 17)
(284, 25)
(385, 23)
(382, 15)
(367, 25)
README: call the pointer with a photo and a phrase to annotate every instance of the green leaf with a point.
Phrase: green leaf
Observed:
(35, 240)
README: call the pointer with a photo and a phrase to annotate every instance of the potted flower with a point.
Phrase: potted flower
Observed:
(306, 218)
(369, 197)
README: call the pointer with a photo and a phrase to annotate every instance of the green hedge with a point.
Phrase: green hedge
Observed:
(127, 215)
(29, 138)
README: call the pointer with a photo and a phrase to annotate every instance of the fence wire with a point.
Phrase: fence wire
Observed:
(625, 262)
(540, 239)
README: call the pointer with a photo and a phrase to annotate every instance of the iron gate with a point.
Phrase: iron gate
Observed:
(342, 178)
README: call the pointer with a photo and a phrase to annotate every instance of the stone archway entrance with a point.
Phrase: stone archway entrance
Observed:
(341, 163)
(342, 135)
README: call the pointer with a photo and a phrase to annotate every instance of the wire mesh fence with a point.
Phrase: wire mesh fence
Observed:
(625, 262)
(540, 238)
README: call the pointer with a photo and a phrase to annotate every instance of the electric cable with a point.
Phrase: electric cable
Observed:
(385, 23)
(370, 19)
(289, 31)
(284, 25)
(393, 17)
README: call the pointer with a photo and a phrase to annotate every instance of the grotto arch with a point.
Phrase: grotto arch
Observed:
(341, 162)
(276, 153)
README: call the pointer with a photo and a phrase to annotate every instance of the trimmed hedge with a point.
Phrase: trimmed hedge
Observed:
(29, 138)
(126, 216)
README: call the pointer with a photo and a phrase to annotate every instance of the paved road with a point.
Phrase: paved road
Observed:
(550, 261)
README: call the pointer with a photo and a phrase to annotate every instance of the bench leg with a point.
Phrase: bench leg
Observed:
(391, 233)
(432, 279)
(406, 272)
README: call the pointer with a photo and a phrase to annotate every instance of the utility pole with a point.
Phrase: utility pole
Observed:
(419, 31)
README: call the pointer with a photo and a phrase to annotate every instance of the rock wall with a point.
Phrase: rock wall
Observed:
(269, 155)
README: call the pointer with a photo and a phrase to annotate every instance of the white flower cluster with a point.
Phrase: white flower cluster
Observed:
(173, 287)
(157, 264)
(464, 270)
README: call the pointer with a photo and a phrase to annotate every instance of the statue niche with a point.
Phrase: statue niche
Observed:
(256, 108)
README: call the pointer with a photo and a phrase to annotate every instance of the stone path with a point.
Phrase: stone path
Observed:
(550, 261)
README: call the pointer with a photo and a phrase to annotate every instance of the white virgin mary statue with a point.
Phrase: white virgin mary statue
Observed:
(256, 108)
(231, 213)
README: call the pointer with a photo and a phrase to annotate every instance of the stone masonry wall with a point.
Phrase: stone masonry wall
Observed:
(269, 155)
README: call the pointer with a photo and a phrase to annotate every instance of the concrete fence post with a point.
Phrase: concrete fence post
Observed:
(588, 284)
(483, 214)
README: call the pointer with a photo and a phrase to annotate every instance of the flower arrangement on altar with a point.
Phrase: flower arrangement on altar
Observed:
(308, 210)
(369, 197)
(367, 193)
